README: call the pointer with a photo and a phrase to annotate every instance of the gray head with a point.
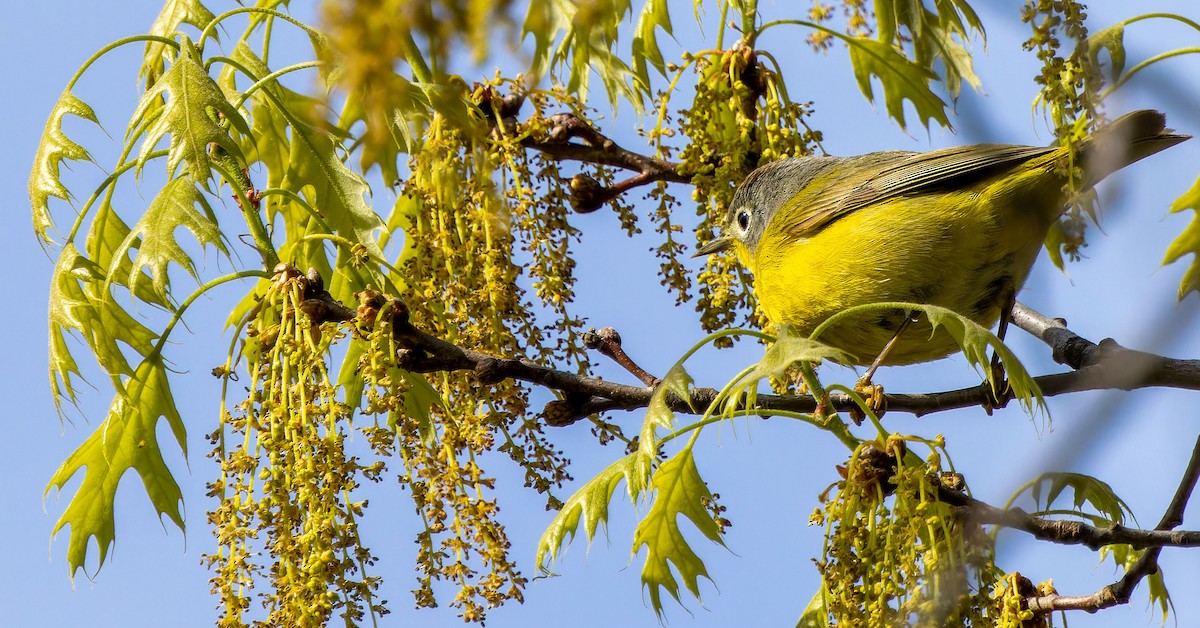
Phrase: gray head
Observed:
(760, 195)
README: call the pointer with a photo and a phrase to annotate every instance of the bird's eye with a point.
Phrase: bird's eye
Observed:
(743, 219)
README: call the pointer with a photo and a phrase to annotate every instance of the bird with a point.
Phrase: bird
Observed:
(957, 227)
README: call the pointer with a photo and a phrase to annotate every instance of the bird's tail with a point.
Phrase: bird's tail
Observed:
(1123, 141)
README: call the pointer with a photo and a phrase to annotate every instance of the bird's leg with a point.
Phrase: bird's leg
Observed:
(999, 397)
(874, 392)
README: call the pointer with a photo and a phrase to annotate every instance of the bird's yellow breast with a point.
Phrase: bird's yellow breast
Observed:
(966, 250)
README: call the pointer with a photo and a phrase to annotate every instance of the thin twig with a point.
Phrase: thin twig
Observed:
(608, 342)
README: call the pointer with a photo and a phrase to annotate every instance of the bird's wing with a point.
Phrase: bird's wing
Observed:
(877, 177)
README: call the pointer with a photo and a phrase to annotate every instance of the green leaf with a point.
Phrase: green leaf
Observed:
(55, 147)
(105, 236)
(676, 382)
(189, 105)
(901, 79)
(933, 36)
(1157, 588)
(315, 170)
(1124, 556)
(974, 340)
(349, 377)
(589, 33)
(679, 490)
(1111, 39)
(1188, 242)
(815, 615)
(655, 15)
(125, 440)
(269, 141)
(154, 236)
(1085, 490)
(175, 13)
(419, 400)
(79, 303)
(590, 503)
(791, 348)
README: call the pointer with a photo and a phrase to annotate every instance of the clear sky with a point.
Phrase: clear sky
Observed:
(767, 472)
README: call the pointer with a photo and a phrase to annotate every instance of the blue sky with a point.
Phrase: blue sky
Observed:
(767, 472)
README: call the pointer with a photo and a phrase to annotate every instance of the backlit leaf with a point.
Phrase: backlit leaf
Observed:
(187, 104)
(655, 15)
(1188, 242)
(54, 148)
(80, 304)
(125, 440)
(679, 490)
(590, 503)
(175, 13)
(338, 193)
(901, 79)
(174, 207)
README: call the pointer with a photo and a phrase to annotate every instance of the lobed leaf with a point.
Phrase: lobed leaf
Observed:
(154, 236)
(934, 36)
(175, 13)
(187, 104)
(338, 193)
(901, 79)
(125, 440)
(589, 33)
(1111, 39)
(679, 490)
(80, 303)
(1188, 242)
(974, 340)
(53, 149)
(269, 108)
(655, 15)
(105, 237)
(790, 348)
(590, 503)
(1085, 490)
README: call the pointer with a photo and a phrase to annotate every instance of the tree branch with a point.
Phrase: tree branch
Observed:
(587, 194)
(1120, 591)
(1102, 366)
(1068, 532)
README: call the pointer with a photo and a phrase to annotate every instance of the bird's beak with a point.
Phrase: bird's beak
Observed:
(719, 243)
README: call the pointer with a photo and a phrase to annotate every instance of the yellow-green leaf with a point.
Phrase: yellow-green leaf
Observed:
(1188, 242)
(154, 235)
(901, 79)
(316, 171)
(187, 104)
(588, 37)
(679, 490)
(974, 340)
(815, 615)
(80, 303)
(1111, 39)
(105, 236)
(1085, 489)
(590, 503)
(175, 13)
(55, 147)
(125, 440)
(655, 15)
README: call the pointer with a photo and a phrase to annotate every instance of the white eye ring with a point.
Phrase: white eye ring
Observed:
(743, 219)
